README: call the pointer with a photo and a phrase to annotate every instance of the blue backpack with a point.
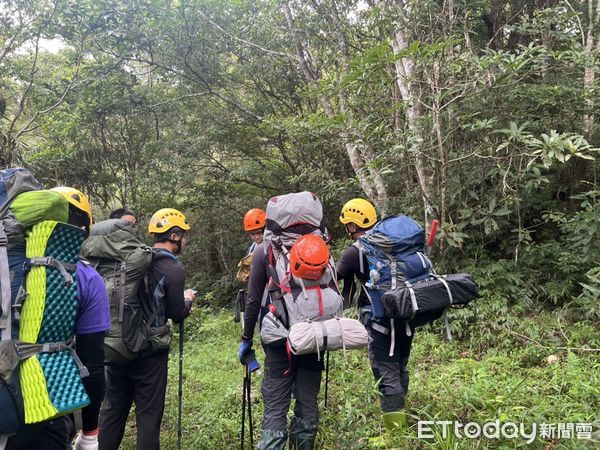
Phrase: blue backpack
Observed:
(394, 251)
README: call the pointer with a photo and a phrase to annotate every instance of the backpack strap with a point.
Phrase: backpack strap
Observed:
(451, 300)
(61, 266)
(5, 291)
(152, 318)
(380, 328)
(274, 293)
(265, 297)
(361, 265)
(121, 294)
(361, 253)
(27, 350)
(392, 337)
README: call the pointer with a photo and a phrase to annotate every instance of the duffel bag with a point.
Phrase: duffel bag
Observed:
(427, 299)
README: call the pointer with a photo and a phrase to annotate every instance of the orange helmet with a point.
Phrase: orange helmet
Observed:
(254, 219)
(309, 257)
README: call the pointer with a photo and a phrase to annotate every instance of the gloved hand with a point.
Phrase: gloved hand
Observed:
(87, 440)
(244, 349)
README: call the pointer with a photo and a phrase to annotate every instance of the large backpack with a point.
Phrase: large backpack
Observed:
(394, 250)
(40, 374)
(402, 282)
(122, 259)
(292, 301)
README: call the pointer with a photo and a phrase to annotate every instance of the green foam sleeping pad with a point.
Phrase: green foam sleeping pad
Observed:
(50, 382)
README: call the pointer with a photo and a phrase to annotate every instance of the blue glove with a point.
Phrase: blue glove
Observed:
(251, 361)
(244, 349)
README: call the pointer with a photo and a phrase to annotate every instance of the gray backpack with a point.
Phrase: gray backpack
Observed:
(291, 300)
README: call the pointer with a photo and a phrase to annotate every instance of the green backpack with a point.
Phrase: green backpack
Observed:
(122, 259)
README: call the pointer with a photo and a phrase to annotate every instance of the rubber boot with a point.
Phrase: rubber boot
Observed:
(393, 423)
(302, 434)
(272, 440)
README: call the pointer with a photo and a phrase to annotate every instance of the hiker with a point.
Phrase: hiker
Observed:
(123, 214)
(388, 358)
(143, 381)
(254, 225)
(92, 321)
(290, 218)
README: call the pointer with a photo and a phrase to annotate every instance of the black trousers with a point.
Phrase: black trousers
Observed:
(54, 434)
(390, 371)
(143, 382)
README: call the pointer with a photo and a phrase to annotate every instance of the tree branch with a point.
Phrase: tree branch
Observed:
(243, 41)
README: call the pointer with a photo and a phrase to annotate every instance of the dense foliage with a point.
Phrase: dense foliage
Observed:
(483, 114)
(480, 113)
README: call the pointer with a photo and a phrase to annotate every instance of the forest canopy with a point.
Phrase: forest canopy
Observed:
(482, 114)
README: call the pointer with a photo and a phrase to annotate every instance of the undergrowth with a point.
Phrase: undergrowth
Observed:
(505, 362)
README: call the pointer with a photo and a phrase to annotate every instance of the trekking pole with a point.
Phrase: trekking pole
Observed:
(326, 378)
(180, 393)
(250, 365)
(242, 432)
(249, 401)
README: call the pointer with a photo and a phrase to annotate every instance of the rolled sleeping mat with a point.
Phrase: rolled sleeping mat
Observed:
(51, 382)
(332, 334)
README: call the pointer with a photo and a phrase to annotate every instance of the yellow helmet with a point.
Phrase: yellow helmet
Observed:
(360, 212)
(76, 198)
(165, 219)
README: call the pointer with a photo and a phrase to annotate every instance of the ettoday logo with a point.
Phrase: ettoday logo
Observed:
(429, 429)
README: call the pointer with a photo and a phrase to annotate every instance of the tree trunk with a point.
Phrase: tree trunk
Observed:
(592, 44)
(405, 76)
(359, 153)
(496, 28)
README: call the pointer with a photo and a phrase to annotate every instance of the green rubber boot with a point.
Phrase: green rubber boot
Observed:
(393, 423)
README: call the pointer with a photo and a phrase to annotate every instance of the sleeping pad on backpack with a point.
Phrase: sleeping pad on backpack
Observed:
(51, 382)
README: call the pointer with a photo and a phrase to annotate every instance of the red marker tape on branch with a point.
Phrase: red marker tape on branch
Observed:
(432, 232)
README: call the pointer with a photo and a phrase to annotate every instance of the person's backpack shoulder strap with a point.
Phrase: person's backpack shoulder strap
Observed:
(361, 256)
(5, 289)
(157, 254)
(273, 293)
